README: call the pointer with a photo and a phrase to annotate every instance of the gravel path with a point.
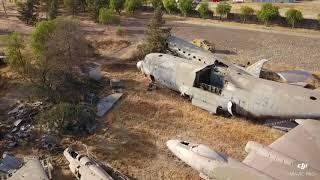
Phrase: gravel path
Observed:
(243, 45)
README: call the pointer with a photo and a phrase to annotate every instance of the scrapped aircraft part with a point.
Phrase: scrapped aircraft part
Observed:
(212, 86)
(211, 164)
(295, 76)
(116, 85)
(85, 167)
(9, 163)
(92, 70)
(294, 156)
(204, 44)
(230, 107)
(299, 146)
(283, 125)
(32, 169)
(105, 104)
(255, 69)
(193, 53)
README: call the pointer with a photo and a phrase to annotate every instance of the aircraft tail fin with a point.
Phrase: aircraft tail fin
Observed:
(255, 68)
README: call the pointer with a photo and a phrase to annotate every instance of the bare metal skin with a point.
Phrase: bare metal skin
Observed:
(86, 168)
(294, 156)
(217, 87)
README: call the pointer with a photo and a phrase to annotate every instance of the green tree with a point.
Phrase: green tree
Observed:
(170, 5)
(267, 13)
(204, 10)
(58, 45)
(185, 7)
(130, 6)
(156, 3)
(293, 16)
(16, 59)
(117, 5)
(223, 9)
(94, 6)
(28, 11)
(156, 35)
(108, 16)
(246, 11)
(53, 9)
(40, 36)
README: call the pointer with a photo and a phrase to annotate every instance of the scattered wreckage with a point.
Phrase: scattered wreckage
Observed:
(30, 168)
(21, 119)
(294, 156)
(85, 167)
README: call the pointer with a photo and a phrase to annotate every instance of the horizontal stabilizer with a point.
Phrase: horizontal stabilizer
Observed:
(255, 68)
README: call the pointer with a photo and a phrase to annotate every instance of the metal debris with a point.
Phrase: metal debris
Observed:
(19, 123)
(116, 85)
(106, 103)
(85, 167)
(92, 70)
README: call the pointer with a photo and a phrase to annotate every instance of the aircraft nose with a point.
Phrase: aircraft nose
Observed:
(172, 143)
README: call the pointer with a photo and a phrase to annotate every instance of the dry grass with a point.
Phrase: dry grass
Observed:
(133, 135)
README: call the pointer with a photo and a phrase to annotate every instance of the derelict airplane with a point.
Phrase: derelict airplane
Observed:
(218, 88)
(294, 156)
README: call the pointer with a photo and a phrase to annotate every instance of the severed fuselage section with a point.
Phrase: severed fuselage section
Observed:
(216, 87)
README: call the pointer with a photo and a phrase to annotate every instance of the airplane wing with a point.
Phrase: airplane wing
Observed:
(293, 156)
(255, 68)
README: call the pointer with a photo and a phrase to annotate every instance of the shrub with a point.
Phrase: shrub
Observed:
(156, 3)
(116, 5)
(267, 13)
(16, 59)
(130, 6)
(156, 35)
(185, 7)
(204, 10)
(223, 8)
(246, 11)
(293, 16)
(94, 7)
(120, 31)
(65, 118)
(170, 5)
(107, 16)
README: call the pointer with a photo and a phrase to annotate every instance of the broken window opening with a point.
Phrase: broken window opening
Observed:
(184, 52)
(210, 79)
(313, 98)
(160, 55)
(185, 143)
(194, 57)
(73, 154)
(179, 49)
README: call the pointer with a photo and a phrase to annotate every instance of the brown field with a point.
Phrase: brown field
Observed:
(132, 136)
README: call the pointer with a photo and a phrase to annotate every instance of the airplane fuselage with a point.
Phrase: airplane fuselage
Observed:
(216, 87)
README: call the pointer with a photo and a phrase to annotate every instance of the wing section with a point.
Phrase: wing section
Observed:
(293, 156)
